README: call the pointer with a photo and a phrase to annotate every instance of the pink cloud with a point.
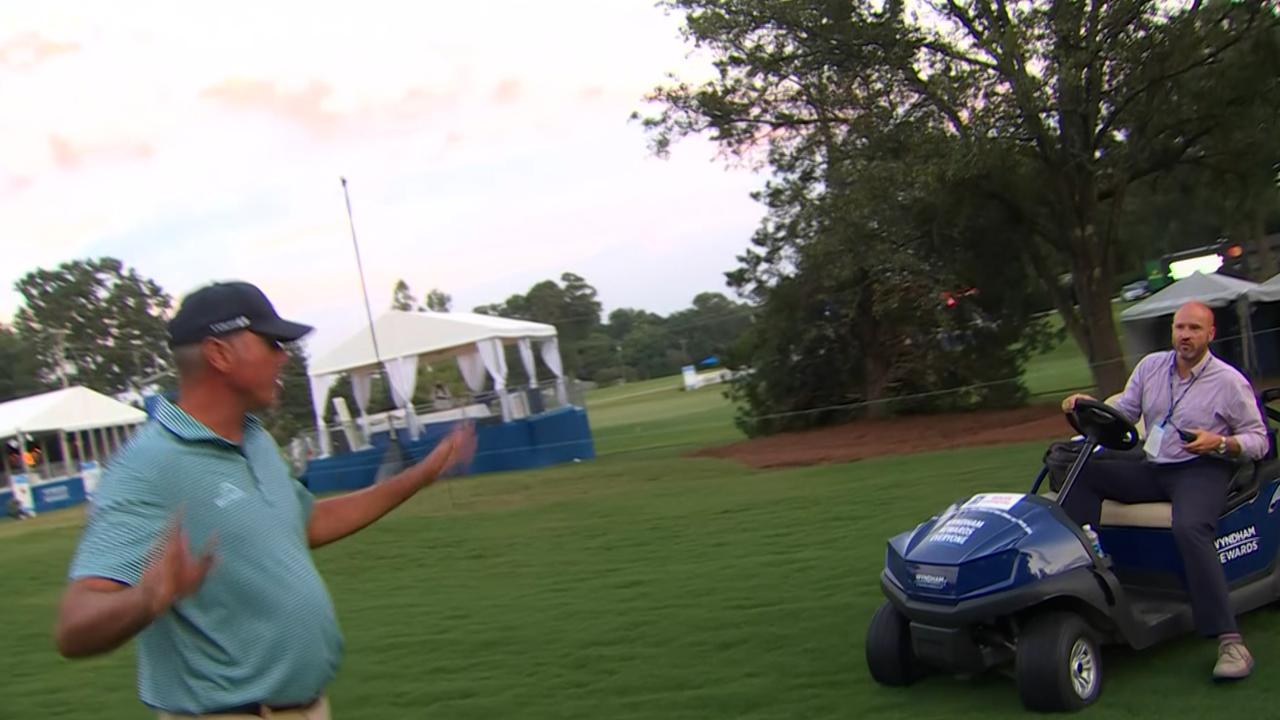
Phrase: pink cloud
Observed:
(419, 103)
(69, 156)
(15, 184)
(308, 107)
(508, 92)
(304, 107)
(30, 49)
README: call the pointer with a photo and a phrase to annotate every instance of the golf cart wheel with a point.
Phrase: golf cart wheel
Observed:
(1058, 665)
(889, 654)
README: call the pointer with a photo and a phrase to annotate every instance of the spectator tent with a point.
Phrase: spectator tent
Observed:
(1148, 324)
(84, 425)
(477, 341)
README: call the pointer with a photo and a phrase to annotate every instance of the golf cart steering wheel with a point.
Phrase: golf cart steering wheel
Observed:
(1104, 424)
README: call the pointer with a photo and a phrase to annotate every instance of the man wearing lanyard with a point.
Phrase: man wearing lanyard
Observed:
(1186, 391)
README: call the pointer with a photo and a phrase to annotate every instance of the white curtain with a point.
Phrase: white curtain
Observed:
(495, 361)
(361, 387)
(320, 387)
(551, 356)
(526, 356)
(402, 374)
(472, 368)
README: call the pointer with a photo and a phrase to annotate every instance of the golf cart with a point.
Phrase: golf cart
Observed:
(1007, 579)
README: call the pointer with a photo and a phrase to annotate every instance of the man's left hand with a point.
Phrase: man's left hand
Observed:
(457, 449)
(1206, 443)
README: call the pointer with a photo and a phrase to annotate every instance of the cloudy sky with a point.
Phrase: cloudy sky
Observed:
(486, 145)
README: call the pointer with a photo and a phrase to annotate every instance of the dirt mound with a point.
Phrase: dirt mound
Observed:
(897, 436)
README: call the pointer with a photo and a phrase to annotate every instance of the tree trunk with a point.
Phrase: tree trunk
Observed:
(1097, 329)
(877, 353)
(876, 376)
(1258, 234)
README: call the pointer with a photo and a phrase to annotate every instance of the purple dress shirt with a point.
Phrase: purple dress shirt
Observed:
(1215, 397)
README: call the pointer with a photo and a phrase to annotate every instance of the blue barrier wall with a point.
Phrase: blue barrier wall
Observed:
(49, 496)
(559, 436)
(58, 495)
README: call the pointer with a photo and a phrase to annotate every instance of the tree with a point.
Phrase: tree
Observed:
(293, 414)
(624, 321)
(402, 298)
(19, 374)
(1059, 105)
(581, 314)
(878, 275)
(438, 301)
(574, 309)
(94, 323)
(710, 327)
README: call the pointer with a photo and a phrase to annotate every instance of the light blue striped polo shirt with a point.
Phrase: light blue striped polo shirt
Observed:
(262, 627)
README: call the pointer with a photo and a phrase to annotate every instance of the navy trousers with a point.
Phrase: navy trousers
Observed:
(1198, 491)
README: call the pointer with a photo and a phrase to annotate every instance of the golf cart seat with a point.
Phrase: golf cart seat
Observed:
(1243, 488)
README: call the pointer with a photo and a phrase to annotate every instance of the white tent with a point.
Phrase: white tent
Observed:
(1266, 292)
(1213, 290)
(477, 341)
(68, 411)
(1147, 324)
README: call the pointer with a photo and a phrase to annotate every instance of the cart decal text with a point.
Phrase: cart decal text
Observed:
(955, 531)
(1237, 544)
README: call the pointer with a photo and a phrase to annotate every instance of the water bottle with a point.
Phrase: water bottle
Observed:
(1094, 540)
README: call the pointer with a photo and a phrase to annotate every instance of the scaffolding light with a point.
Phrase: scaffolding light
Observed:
(1204, 264)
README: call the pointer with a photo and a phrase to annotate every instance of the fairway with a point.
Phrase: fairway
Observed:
(658, 414)
(640, 585)
(643, 584)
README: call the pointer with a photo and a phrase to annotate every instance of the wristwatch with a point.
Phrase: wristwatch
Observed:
(1222, 446)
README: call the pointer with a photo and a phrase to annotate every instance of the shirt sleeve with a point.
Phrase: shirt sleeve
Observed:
(1129, 403)
(306, 500)
(1246, 423)
(125, 520)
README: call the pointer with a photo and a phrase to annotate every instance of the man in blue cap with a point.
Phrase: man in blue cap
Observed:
(244, 627)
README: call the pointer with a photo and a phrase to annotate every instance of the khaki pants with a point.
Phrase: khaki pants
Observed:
(319, 711)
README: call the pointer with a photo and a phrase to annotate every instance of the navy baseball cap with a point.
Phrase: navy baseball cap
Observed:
(224, 308)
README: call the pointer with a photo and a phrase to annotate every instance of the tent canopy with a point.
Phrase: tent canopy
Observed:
(1266, 292)
(410, 334)
(69, 409)
(1213, 290)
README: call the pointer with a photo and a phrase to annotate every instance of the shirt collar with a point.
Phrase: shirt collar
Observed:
(180, 423)
(1197, 369)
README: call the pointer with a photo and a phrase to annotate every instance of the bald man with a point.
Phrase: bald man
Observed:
(1185, 390)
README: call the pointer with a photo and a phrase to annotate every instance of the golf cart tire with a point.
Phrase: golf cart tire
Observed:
(1058, 665)
(890, 657)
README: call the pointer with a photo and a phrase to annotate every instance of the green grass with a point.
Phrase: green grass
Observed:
(643, 584)
(640, 585)
(659, 414)
(1063, 367)
(1057, 370)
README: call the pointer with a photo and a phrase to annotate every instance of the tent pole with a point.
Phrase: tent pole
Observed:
(22, 452)
(66, 454)
(44, 459)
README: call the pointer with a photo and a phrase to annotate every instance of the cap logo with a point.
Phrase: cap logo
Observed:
(234, 323)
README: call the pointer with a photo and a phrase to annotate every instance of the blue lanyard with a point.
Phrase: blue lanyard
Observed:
(1172, 369)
